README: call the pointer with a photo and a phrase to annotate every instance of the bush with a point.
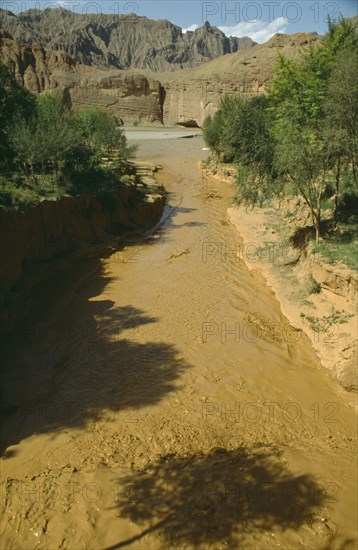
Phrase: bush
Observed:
(16, 196)
(47, 150)
(95, 180)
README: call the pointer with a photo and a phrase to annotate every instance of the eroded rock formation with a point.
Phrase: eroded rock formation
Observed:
(120, 41)
(131, 96)
(193, 94)
(182, 97)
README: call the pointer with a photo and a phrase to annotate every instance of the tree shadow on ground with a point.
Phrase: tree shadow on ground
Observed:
(64, 367)
(216, 498)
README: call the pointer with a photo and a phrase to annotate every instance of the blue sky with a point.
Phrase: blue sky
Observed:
(259, 19)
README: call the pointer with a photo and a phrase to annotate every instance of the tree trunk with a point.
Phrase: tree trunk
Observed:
(55, 183)
(336, 191)
(354, 170)
(43, 172)
(318, 214)
(318, 231)
(33, 173)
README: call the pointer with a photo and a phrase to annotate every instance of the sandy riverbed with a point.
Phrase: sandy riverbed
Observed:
(148, 414)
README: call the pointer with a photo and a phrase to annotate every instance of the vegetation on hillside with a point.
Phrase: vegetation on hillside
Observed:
(301, 139)
(47, 150)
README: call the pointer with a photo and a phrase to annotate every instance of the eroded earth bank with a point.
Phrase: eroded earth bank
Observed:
(145, 411)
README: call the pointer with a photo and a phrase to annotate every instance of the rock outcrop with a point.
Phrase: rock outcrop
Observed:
(183, 97)
(120, 41)
(34, 67)
(131, 96)
(193, 94)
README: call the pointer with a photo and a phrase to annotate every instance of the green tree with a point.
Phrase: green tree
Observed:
(101, 132)
(311, 137)
(303, 83)
(341, 110)
(302, 161)
(43, 144)
(27, 148)
(16, 103)
(296, 140)
(239, 132)
(211, 133)
(341, 35)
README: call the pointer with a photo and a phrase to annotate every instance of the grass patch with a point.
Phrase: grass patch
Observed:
(323, 324)
(341, 246)
(19, 191)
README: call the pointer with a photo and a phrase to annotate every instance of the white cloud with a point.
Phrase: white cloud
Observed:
(192, 27)
(259, 31)
(67, 4)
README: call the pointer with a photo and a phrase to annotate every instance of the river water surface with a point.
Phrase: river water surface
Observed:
(159, 399)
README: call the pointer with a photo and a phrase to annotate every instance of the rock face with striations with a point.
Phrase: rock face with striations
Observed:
(183, 97)
(131, 96)
(193, 94)
(34, 67)
(120, 41)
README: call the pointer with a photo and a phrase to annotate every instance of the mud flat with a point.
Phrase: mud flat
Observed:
(154, 417)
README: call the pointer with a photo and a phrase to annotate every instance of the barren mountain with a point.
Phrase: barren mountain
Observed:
(120, 41)
(35, 67)
(130, 95)
(183, 97)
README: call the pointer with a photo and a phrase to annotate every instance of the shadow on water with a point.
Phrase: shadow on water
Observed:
(216, 498)
(64, 364)
(170, 220)
(67, 362)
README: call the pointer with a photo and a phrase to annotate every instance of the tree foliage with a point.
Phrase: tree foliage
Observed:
(299, 138)
(239, 131)
(341, 107)
(15, 102)
(101, 132)
(42, 142)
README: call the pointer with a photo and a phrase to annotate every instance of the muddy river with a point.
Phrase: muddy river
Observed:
(158, 398)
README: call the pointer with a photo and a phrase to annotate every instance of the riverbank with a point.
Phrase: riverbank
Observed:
(318, 298)
(328, 318)
(53, 234)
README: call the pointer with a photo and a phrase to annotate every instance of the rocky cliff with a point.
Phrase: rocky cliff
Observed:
(34, 67)
(131, 96)
(182, 97)
(193, 94)
(120, 41)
